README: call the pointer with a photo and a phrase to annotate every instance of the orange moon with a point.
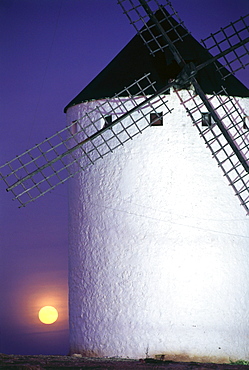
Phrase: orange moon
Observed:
(48, 315)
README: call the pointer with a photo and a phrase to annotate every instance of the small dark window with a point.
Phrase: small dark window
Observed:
(206, 119)
(108, 120)
(156, 119)
(245, 122)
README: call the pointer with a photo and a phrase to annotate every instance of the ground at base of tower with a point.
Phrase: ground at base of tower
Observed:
(40, 362)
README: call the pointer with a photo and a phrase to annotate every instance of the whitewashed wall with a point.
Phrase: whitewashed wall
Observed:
(158, 250)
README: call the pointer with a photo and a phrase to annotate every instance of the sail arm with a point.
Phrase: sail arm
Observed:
(158, 24)
(214, 115)
(229, 46)
(89, 138)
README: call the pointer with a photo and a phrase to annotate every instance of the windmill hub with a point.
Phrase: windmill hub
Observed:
(184, 78)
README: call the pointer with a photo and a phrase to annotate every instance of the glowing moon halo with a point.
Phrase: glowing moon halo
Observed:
(48, 315)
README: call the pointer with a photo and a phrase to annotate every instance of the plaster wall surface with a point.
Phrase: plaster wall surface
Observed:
(159, 250)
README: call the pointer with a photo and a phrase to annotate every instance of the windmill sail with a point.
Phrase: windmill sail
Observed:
(226, 135)
(234, 39)
(232, 115)
(59, 157)
(92, 136)
(169, 24)
(160, 27)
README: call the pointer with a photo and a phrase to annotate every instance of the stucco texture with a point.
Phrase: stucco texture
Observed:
(158, 250)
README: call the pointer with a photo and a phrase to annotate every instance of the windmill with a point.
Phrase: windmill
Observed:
(103, 125)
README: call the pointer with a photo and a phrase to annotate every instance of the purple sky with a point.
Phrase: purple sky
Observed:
(50, 50)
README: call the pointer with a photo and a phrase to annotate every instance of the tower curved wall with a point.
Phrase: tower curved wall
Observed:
(158, 250)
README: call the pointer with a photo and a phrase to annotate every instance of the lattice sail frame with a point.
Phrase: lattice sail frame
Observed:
(232, 115)
(52, 162)
(227, 46)
(228, 144)
(71, 150)
(236, 33)
(147, 30)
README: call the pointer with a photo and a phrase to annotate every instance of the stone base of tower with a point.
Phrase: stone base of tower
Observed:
(174, 357)
(158, 258)
(164, 356)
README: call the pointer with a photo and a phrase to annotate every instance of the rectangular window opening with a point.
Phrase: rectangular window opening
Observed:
(245, 122)
(206, 119)
(156, 119)
(108, 120)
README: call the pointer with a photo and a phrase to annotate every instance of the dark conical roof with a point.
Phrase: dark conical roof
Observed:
(134, 60)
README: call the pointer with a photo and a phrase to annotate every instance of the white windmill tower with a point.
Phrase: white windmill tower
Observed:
(158, 243)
